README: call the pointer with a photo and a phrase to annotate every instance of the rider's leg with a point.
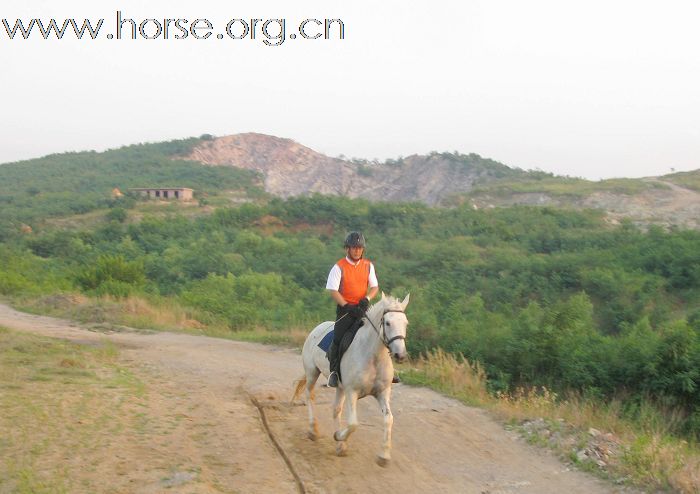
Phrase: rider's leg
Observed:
(342, 324)
(334, 364)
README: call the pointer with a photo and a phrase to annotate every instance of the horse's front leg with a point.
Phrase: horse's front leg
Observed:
(383, 399)
(351, 404)
(338, 402)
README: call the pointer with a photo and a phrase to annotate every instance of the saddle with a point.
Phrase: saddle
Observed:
(325, 343)
(348, 337)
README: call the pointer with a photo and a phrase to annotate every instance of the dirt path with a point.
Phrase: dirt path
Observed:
(219, 440)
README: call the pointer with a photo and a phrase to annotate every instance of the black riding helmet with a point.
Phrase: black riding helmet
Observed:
(355, 239)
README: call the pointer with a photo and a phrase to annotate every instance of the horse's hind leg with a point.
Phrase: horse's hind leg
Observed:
(383, 399)
(311, 378)
(340, 447)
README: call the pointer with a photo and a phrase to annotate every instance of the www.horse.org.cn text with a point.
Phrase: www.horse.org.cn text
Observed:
(271, 31)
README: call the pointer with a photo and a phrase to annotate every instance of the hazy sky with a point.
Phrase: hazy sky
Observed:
(595, 89)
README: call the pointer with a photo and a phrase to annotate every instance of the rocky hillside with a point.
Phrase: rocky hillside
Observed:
(290, 169)
(651, 200)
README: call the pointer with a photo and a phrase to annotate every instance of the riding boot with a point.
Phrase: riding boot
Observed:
(332, 354)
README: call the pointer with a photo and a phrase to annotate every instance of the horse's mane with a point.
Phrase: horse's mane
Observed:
(387, 302)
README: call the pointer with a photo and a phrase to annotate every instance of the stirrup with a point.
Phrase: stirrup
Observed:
(333, 380)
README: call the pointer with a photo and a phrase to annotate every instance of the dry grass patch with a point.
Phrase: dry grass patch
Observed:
(119, 314)
(59, 403)
(453, 376)
(73, 420)
(133, 311)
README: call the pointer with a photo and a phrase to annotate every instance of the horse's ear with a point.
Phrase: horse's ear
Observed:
(383, 295)
(405, 301)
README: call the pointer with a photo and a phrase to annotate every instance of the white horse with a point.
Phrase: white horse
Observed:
(366, 369)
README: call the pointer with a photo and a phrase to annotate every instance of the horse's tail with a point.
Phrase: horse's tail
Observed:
(301, 384)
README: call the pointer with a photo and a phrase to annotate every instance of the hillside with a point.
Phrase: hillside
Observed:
(290, 169)
(645, 201)
(69, 184)
(239, 167)
(688, 180)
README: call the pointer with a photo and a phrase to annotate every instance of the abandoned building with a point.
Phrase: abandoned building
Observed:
(178, 193)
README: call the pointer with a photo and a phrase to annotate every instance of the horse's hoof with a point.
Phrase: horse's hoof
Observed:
(341, 449)
(383, 462)
(312, 435)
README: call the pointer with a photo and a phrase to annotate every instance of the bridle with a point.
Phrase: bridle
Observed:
(382, 333)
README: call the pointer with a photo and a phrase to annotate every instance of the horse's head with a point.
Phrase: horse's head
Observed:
(394, 324)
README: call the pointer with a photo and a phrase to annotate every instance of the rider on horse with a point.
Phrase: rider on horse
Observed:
(352, 283)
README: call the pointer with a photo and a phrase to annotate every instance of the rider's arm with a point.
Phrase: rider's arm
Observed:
(373, 283)
(335, 295)
(333, 285)
(372, 292)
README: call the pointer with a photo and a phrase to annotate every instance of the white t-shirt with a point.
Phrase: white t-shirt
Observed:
(334, 276)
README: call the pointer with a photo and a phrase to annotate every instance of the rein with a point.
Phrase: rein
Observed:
(382, 334)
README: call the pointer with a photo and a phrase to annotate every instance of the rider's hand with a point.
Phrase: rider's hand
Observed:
(354, 310)
(364, 305)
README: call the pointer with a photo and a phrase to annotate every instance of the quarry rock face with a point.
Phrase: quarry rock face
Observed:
(290, 169)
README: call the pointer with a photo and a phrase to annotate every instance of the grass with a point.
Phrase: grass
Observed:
(134, 311)
(148, 208)
(592, 434)
(445, 373)
(689, 180)
(293, 338)
(112, 314)
(58, 401)
(565, 187)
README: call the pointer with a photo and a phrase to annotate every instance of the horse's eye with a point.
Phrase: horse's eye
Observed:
(388, 323)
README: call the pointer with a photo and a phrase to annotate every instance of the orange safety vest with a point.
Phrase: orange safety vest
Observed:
(354, 280)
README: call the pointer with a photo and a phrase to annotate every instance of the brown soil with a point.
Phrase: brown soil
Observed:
(237, 432)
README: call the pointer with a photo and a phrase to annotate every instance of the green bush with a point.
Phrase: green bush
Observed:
(112, 275)
(117, 214)
(248, 299)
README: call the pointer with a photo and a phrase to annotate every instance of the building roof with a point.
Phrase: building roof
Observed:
(159, 188)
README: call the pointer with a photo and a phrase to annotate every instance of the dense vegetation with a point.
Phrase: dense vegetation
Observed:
(539, 296)
(72, 183)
